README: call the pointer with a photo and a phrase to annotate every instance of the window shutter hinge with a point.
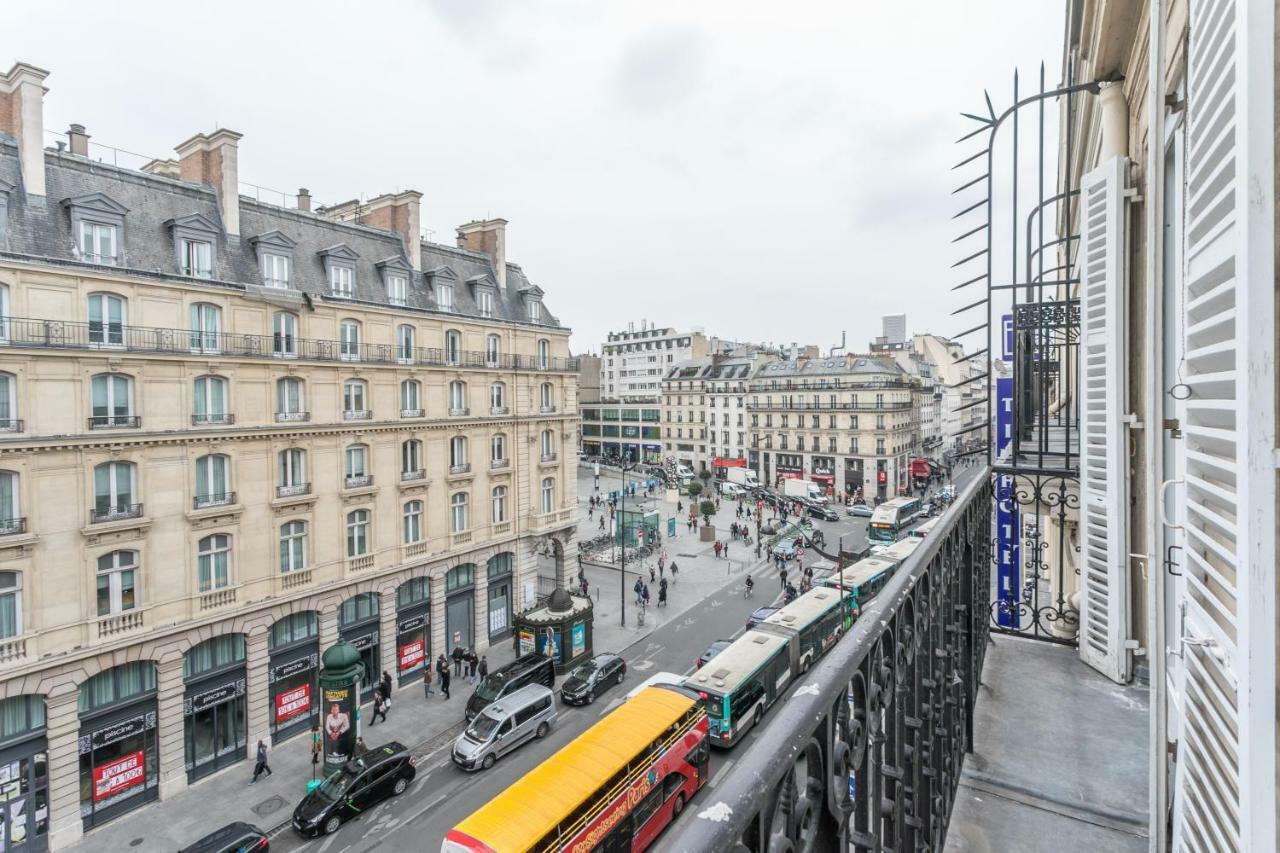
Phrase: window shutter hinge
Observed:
(1132, 420)
(1133, 646)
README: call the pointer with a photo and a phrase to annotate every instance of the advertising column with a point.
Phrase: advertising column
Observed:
(340, 675)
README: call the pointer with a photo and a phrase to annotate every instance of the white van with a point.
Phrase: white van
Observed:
(526, 714)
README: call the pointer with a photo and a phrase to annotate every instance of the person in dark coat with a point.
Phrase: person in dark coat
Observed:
(442, 669)
(472, 660)
(458, 655)
(261, 764)
(386, 685)
(484, 667)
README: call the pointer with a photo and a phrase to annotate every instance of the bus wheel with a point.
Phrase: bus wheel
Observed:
(677, 806)
(759, 716)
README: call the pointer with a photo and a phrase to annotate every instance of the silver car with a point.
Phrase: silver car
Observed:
(524, 715)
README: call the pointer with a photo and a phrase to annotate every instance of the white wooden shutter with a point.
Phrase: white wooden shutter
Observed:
(1224, 791)
(1104, 496)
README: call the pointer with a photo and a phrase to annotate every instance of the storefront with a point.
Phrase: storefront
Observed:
(358, 625)
(291, 674)
(501, 598)
(789, 465)
(119, 750)
(24, 775)
(459, 607)
(213, 708)
(852, 476)
(824, 472)
(413, 629)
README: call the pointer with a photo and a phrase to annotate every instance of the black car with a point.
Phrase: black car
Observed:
(824, 513)
(589, 678)
(362, 783)
(238, 837)
(525, 670)
(761, 614)
(712, 650)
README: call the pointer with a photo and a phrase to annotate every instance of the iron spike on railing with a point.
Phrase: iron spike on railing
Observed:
(973, 280)
(974, 256)
(970, 208)
(976, 180)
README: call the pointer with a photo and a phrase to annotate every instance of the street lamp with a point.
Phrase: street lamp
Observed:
(626, 466)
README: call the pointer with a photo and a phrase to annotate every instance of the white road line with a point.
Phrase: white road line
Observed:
(715, 777)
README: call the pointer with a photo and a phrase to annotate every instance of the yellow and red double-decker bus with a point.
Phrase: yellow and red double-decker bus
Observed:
(614, 788)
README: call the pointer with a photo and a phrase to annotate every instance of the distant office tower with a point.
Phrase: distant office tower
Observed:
(895, 328)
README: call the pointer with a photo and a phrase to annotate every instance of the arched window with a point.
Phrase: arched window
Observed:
(9, 421)
(458, 397)
(544, 354)
(284, 334)
(548, 445)
(358, 533)
(117, 582)
(452, 346)
(295, 628)
(492, 350)
(291, 472)
(216, 653)
(11, 520)
(410, 399)
(206, 328)
(10, 605)
(548, 495)
(498, 398)
(114, 493)
(499, 504)
(213, 480)
(107, 318)
(411, 459)
(457, 453)
(291, 403)
(211, 401)
(412, 522)
(358, 608)
(349, 340)
(293, 546)
(458, 512)
(547, 398)
(112, 401)
(405, 344)
(355, 400)
(213, 560)
(357, 465)
(498, 449)
(413, 591)
(459, 577)
(117, 685)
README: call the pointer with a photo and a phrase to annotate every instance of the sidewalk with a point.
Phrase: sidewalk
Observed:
(225, 797)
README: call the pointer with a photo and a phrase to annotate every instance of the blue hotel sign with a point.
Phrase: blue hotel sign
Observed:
(1008, 571)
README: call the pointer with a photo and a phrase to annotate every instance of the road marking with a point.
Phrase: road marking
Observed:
(715, 777)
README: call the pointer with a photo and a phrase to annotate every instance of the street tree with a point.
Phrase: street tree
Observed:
(708, 509)
(695, 489)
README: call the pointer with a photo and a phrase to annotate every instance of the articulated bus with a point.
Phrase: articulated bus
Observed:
(862, 580)
(614, 788)
(899, 551)
(924, 529)
(739, 684)
(812, 623)
(891, 518)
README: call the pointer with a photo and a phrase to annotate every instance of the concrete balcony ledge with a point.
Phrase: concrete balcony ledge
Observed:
(1059, 757)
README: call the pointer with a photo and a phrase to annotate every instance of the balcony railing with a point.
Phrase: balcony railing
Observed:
(221, 499)
(117, 512)
(358, 481)
(119, 623)
(499, 464)
(546, 410)
(12, 526)
(548, 458)
(412, 413)
(866, 752)
(11, 425)
(456, 470)
(292, 417)
(115, 422)
(798, 406)
(459, 412)
(293, 491)
(219, 419)
(499, 410)
(413, 476)
(27, 332)
(357, 414)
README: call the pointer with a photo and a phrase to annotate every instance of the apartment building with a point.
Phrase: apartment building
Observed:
(932, 392)
(232, 433)
(849, 422)
(704, 411)
(634, 361)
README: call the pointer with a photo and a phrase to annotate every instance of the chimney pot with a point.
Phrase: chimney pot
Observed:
(304, 199)
(214, 159)
(78, 140)
(22, 115)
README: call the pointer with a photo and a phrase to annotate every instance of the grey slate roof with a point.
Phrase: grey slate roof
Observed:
(838, 366)
(44, 231)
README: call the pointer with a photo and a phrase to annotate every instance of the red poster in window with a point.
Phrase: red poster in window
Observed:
(120, 775)
(411, 654)
(293, 703)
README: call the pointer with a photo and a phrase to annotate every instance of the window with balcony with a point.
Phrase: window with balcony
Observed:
(11, 520)
(397, 289)
(458, 520)
(349, 340)
(206, 328)
(452, 347)
(291, 473)
(211, 401)
(213, 562)
(800, 442)
(458, 463)
(355, 400)
(356, 466)
(411, 399)
(498, 398)
(492, 350)
(107, 318)
(342, 281)
(114, 492)
(275, 270)
(213, 480)
(444, 297)
(10, 605)
(411, 460)
(290, 401)
(9, 421)
(544, 354)
(358, 533)
(831, 444)
(284, 335)
(99, 242)
(458, 398)
(412, 522)
(499, 504)
(196, 257)
(547, 398)
(548, 495)
(405, 344)
(117, 582)
(548, 445)
(293, 546)
(498, 450)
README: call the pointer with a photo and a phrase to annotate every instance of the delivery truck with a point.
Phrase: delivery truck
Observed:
(794, 488)
(744, 477)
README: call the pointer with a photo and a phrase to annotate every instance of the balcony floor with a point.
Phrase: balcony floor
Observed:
(1059, 760)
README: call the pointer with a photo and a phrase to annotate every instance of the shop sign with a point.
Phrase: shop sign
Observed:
(824, 466)
(207, 699)
(120, 775)
(127, 729)
(364, 641)
(293, 703)
(412, 655)
(293, 667)
(412, 624)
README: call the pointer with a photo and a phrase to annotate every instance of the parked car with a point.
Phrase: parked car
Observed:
(860, 511)
(238, 837)
(712, 650)
(524, 715)
(590, 678)
(362, 783)
(824, 513)
(525, 670)
(760, 614)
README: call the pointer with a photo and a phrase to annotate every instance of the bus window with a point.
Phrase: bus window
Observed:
(742, 702)
(648, 808)
(672, 785)
(619, 840)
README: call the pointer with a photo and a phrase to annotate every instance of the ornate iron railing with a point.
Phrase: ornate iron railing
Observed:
(866, 751)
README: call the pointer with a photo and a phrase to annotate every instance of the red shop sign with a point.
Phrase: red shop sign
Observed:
(293, 703)
(120, 775)
(411, 654)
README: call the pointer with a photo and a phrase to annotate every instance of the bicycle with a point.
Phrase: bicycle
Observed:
(746, 590)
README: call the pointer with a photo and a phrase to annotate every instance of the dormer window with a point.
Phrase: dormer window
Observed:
(342, 281)
(97, 225)
(98, 242)
(275, 270)
(340, 266)
(397, 289)
(444, 297)
(484, 302)
(395, 273)
(197, 258)
(193, 238)
(275, 257)
(535, 312)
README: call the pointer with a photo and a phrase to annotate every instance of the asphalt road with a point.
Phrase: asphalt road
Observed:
(442, 795)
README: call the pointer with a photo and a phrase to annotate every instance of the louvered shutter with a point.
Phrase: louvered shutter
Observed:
(1104, 496)
(1224, 791)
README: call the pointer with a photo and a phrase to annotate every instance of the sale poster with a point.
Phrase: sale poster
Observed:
(412, 654)
(293, 703)
(119, 775)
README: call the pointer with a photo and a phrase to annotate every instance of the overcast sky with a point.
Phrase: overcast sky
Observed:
(767, 171)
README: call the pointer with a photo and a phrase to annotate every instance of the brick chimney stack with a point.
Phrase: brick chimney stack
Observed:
(401, 212)
(78, 140)
(22, 115)
(488, 236)
(214, 159)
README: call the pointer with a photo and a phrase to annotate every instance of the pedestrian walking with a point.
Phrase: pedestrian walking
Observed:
(484, 667)
(660, 568)
(639, 589)
(261, 765)
(717, 549)
(386, 686)
(674, 570)
(662, 593)
(602, 521)
(645, 596)
(726, 550)
(458, 654)
(426, 682)
(473, 660)
(379, 707)
(315, 744)
(652, 575)
(782, 577)
(582, 581)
